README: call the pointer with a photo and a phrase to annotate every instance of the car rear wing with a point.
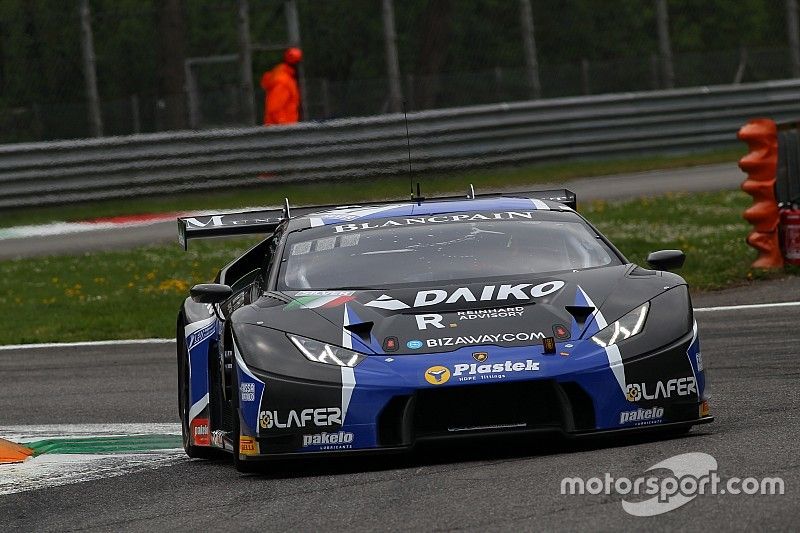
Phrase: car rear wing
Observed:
(267, 221)
(228, 224)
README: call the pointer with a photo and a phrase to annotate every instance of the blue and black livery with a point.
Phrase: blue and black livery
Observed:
(373, 328)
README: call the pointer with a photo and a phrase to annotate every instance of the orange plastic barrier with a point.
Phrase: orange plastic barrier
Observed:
(760, 164)
(11, 452)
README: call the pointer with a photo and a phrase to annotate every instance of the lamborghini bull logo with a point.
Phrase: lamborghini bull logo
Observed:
(520, 291)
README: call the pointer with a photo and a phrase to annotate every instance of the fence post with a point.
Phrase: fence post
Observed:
(89, 70)
(760, 165)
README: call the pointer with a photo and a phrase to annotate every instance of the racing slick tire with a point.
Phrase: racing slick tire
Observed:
(194, 452)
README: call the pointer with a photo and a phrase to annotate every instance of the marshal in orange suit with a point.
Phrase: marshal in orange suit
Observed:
(282, 105)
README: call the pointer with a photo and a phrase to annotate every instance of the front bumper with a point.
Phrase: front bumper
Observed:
(391, 404)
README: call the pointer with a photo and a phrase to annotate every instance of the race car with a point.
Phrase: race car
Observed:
(374, 328)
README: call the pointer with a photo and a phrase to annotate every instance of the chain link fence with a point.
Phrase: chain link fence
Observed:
(451, 54)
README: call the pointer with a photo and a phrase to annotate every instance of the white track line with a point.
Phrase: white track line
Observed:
(134, 342)
(742, 307)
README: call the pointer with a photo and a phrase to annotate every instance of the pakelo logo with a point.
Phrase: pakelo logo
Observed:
(520, 291)
(247, 445)
(330, 440)
(200, 432)
(473, 371)
(248, 391)
(437, 375)
(642, 416)
(679, 386)
(468, 340)
(321, 417)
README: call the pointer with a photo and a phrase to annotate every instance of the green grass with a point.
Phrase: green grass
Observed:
(362, 189)
(136, 294)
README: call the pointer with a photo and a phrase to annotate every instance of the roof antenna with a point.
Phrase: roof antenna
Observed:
(286, 212)
(471, 192)
(408, 144)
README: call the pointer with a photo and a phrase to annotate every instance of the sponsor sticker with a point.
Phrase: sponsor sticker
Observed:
(390, 344)
(642, 417)
(200, 432)
(699, 358)
(414, 345)
(247, 445)
(489, 338)
(677, 387)
(437, 219)
(480, 356)
(320, 417)
(705, 409)
(488, 293)
(217, 438)
(437, 375)
(200, 335)
(475, 372)
(561, 332)
(329, 441)
(247, 391)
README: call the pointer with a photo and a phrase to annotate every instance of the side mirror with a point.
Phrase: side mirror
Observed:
(666, 259)
(210, 293)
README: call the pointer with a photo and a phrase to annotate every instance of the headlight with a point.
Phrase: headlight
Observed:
(624, 328)
(320, 352)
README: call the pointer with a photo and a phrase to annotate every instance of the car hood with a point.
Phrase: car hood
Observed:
(443, 317)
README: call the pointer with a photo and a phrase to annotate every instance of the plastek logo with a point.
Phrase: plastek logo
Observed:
(679, 386)
(520, 291)
(473, 371)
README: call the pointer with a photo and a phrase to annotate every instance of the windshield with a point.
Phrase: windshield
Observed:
(390, 252)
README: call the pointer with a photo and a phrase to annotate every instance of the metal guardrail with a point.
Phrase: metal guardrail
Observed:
(446, 139)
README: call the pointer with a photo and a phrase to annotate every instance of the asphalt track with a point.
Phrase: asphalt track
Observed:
(692, 179)
(752, 360)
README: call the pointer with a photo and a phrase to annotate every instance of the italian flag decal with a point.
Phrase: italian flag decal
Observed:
(311, 302)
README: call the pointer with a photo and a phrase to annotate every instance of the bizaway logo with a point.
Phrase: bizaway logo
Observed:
(520, 291)
(690, 474)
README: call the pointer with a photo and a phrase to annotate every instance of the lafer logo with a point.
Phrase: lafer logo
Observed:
(679, 386)
(321, 417)
(200, 432)
(248, 445)
(437, 375)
